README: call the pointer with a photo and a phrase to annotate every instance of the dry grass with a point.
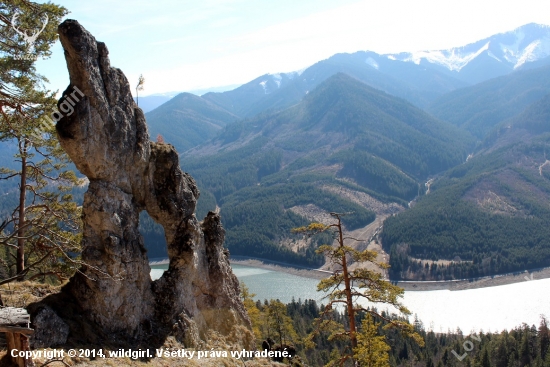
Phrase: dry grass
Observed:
(20, 294)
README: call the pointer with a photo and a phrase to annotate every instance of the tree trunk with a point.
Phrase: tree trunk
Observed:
(349, 298)
(20, 263)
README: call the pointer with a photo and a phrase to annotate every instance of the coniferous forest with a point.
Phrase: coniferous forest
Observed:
(525, 345)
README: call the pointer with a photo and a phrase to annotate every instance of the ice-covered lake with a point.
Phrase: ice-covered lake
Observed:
(487, 309)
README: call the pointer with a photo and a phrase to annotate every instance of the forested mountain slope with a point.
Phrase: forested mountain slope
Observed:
(343, 141)
(487, 216)
(187, 120)
(480, 107)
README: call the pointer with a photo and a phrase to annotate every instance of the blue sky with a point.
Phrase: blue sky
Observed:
(187, 45)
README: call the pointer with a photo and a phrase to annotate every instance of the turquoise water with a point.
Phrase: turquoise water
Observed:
(267, 284)
(487, 309)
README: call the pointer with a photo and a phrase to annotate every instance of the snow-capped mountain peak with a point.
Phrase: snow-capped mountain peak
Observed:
(453, 59)
(513, 49)
(272, 82)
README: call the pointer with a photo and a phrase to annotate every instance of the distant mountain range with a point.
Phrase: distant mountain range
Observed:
(150, 102)
(449, 147)
(422, 78)
(197, 120)
(488, 58)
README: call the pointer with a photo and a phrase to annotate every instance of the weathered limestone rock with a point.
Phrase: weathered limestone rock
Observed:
(107, 139)
(50, 329)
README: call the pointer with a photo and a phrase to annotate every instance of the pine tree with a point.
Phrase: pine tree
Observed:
(44, 228)
(372, 349)
(485, 361)
(524, 352)
(544, 337)
(500, 354)
(445, 357)
(345, 287)
(28, 31)
(41, 232)
(281, 323)
(547, 359)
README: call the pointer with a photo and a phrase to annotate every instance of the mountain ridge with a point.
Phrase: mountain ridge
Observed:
(481, 107)
(187, 120)
(420, 83)
(343, 140)
(486, 216)
(500, 53)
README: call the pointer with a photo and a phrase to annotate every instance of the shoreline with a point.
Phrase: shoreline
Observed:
(281, 267)
(475, 283)
(452, 285)
(268, 265)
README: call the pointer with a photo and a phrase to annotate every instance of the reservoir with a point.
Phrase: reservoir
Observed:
(267, 284)
(488, 309)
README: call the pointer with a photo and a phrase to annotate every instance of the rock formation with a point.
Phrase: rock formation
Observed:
(106, 137)
(51, 330)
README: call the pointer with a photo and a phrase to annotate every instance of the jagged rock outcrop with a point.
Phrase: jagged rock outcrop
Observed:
(106, 137)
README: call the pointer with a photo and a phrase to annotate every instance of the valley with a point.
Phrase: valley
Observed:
(331, 141)
(386, 137)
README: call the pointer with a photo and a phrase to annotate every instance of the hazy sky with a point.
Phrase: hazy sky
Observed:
(186, 45)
